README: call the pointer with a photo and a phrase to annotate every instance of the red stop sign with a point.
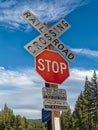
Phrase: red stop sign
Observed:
(52, 67)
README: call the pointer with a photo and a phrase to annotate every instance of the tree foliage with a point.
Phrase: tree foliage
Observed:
(85, 114)
(8, 121)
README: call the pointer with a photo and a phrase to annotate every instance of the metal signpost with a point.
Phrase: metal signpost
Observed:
(57, 67)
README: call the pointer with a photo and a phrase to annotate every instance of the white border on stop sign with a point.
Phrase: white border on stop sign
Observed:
(57, 53)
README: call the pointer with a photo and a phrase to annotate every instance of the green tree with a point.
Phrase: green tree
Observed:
(78, 116)
(7, 117)
(94, 88)
(85, 115)
(65, 120)
(88, 105)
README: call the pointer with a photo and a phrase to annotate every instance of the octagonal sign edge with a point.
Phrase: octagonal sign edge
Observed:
(52, 67)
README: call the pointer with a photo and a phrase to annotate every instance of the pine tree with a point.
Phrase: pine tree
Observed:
(78, 116)
(82, 117)
(65, 120)
(7, 117)
(94, 88)
(85, 114)
(88, 104)
(8, 121)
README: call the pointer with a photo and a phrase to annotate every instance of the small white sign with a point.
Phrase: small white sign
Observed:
(55, 102)
(57, 123)
(52, 104)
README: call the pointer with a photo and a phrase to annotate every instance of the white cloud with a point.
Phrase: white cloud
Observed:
(18, 78)
(21, 89)
(87, 52)
(10, 12)
(77, 74)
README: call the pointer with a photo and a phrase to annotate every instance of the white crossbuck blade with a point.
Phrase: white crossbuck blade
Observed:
(48, 36)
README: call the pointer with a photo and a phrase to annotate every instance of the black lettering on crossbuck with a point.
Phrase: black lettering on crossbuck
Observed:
(48, 36)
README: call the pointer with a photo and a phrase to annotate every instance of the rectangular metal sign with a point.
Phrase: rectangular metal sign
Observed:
(46, 115)
(50, 104)
(53, 93)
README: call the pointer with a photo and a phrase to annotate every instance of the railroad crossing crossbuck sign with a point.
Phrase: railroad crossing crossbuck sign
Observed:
(48, 36)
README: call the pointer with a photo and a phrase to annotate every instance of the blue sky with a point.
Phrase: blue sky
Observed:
(20, 85)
